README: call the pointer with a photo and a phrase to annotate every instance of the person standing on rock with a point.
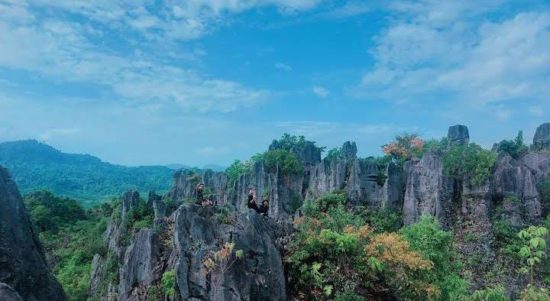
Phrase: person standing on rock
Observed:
(252, 200)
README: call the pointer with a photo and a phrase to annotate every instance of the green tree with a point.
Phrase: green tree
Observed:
(469, 162)
(436, 245)
(533, 249)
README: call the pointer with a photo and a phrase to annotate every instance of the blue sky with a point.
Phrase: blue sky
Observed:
(199, 82)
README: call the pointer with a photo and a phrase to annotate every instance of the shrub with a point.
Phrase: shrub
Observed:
(533, 249)
(489, 294)
(169, 283)
(383, 220)
(236, 169)
(336, 256)
(404, 147)
(286, 162)
(532, 293)
(469, 161)
(436, 245)
(516, 148)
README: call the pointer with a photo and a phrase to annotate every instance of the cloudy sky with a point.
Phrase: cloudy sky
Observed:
(208, 81)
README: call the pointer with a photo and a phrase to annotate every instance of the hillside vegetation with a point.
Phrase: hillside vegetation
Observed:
(36, 166)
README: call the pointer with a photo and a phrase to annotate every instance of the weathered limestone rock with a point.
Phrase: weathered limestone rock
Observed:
(258, 275)
(541, 140)
(22, 262)
(515, 182)
(458, 134)
(187, 180)
(426, 190)
(142, 266)
(8, 294)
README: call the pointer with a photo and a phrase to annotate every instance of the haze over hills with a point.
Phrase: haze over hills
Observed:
(36, 166)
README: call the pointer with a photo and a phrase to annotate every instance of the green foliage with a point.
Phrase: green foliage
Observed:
(436, 245)
(236, 169)
(331, 256)
(141, 216)
(507, 243)
(516, 148)
(224, 214)
(37, 166)
(436, 146)
(70, 235)
(169, 283)
(48, 212)
(348, 296)
(533, 249)
(384, 220)
(532, 293)
(290, 142)
(333, 154)
(286, 162)
(489, 294)
(469, 162)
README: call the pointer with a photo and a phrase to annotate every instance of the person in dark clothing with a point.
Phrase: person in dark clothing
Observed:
(264, 208)
(252, 204)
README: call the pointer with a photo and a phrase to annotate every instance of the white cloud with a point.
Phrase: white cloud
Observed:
(321, 92)
(449, 50)
(283, 66)
(503, 114)
(536, 110)
(67, 53)
(58, 132)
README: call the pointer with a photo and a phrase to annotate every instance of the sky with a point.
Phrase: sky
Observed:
(198, 82)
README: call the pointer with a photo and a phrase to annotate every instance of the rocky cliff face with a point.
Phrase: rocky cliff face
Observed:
(187, 239)
(23, 268)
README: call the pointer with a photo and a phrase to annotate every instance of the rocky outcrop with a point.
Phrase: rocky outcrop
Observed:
(185, 182)
(187, 239)
(256, 275)
(141, 267)
(427, 191)
(541, 140)
(22, 262)
(458, 134)
(515, 185)
(8, 294)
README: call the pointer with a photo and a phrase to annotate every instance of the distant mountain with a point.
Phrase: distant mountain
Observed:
(35, 166)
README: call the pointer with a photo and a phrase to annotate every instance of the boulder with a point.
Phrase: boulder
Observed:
(541, 140)
(458, 134)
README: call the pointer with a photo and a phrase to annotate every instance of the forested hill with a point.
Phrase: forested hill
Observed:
(36, 166)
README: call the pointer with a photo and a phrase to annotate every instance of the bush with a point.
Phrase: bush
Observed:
(169, 283)
(436, 245)
(404, 147)
(515, 148)
(469, 161)
(335, 255)
(236, 169)
(532, 293)
(286, 162)
(489, 294)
